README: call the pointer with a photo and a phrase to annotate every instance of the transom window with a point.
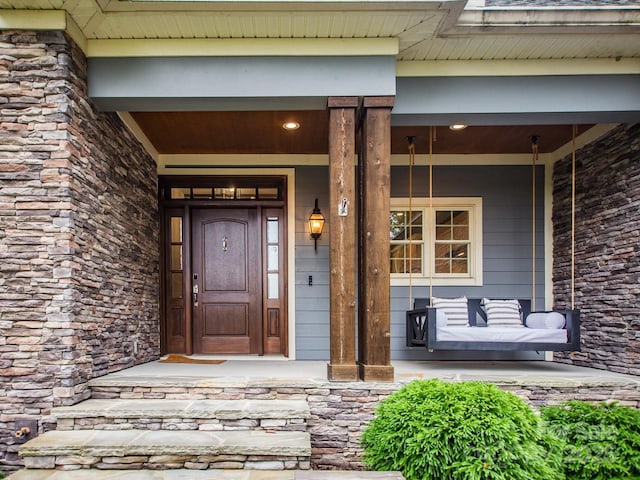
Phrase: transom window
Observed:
(443, 243)
(222, 189)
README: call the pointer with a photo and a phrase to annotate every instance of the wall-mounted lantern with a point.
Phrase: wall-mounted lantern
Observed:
(316, 224)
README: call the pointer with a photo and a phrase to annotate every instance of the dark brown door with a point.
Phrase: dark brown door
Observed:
(227, 310)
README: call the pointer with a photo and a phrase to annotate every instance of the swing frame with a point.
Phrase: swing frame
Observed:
(421, 330)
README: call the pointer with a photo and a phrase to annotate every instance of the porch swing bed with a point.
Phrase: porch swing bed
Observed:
(426, 328)
(484, 324)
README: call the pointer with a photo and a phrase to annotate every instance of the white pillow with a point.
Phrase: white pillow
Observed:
(502, 313)
(441, 318)
(546, 320)
(455, 310)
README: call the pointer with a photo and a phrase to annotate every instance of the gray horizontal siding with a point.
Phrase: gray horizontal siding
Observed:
(506, 194)
(312, 303)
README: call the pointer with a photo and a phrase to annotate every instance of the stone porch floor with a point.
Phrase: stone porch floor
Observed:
(247, 370)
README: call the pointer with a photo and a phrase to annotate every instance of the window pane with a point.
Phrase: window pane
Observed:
(416, 266)
(180, 193)
(460, 233)
(442, 266)
(202, 193)
(443, 233)
(416, 225)
(459, 250)
(246, 193)
(176, 257)
(397, 258)
(176, 285)
(398, 225)
(443, 250)
(272, 230)
(461, 217)
(268, 193)
(224, 193)
(415, 258)
(443, 217)
(272, 286)
(459, 266)
(176, 229)
(406, 258)
(272, 257)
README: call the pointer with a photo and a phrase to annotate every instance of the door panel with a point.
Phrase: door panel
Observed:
(225, 256)
(227, 317)
(226, 320)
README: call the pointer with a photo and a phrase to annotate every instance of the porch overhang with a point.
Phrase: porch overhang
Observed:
(236, 83)
(517, 100)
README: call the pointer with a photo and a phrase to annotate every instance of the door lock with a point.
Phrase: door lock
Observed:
(195, 295)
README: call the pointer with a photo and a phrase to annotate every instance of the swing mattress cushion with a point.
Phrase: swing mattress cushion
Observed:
(500, 334)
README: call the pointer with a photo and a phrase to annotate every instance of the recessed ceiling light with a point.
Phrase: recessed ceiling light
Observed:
(291, 125)
(457, 126)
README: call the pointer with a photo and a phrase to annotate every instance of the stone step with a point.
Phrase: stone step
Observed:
(192, 388)
(163, 449)
(118, 414)
(203, 475)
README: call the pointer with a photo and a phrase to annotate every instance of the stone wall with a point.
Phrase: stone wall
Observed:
(607, 265)
(78, 235)
(340, 412)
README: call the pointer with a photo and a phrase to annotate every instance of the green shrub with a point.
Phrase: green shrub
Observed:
(600, 442)
(463, 431)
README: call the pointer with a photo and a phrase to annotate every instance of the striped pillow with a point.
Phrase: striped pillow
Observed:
(502, 313)
(455, 309)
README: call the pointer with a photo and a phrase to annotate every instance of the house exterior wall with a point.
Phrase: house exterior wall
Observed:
(607, 251)
(78, 235)
(312, 301)
(507, 210)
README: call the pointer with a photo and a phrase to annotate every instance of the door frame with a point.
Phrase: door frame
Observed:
(288, 206)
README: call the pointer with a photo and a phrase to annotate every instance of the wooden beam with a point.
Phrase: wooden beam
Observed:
(342, 269)
(374, 332)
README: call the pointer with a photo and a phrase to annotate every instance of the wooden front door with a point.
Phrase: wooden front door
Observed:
(224, 269)
(227, 283)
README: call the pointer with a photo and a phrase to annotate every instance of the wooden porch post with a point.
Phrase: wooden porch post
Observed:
(342, 269)
(374, 332)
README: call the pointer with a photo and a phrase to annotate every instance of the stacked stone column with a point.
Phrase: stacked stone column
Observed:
(78, 235)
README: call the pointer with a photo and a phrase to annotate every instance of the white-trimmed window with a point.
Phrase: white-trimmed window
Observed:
(442, 245)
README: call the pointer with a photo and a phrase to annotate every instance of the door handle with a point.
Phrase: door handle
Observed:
(195, 295)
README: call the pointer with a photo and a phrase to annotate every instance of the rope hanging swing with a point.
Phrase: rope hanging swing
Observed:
(431, 216)
(412, 157)
(574, 133)
(534, 160)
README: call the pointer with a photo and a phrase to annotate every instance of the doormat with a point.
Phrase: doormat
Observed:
(184, 359)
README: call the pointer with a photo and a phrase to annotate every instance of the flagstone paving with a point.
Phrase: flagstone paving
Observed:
(202, 475)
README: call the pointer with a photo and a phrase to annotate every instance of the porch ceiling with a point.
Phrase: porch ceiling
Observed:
(262, 133)
(424, 29)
